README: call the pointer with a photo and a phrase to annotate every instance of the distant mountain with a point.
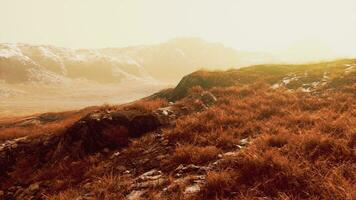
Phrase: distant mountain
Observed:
(22, 63)
(173, 59)
(43, 78)
(167, 61)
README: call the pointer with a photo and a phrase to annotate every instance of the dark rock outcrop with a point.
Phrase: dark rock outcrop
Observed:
(91, 134)
(110, 130)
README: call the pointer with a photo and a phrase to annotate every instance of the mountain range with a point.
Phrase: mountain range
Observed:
(42, 78)
(49, 64)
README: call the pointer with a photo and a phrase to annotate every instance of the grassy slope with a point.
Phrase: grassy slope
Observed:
(301, 144)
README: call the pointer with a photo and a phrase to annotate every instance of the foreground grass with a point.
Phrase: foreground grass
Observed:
(257, 143)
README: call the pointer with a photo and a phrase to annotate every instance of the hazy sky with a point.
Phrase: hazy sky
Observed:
(258, 25)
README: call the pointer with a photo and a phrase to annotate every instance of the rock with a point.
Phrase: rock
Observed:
(116, 154)
(181, 170)
(11, 189)
(190, 168)
(198, 178)
(151, 183)
(176, 184)
(194, 183)
(231, 153)
(165, 111)
(18, 192)
(80, 198)
(208, 98)
(95, 135)
(165, 142)
(9, 194)
(135, 194)
(244, 142)
(192, 189)
(216, 162)
(2, 193)
(151, 175)
(34, 187)
(151, 179)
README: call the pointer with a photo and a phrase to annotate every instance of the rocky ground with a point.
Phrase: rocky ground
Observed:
(100, 134)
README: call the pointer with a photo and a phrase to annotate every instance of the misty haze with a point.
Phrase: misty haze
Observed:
(177, 99)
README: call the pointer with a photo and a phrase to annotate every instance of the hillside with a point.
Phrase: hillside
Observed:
(259, 132)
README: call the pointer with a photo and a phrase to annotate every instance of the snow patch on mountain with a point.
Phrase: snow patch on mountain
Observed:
(47, 53)
(349, 68)
(13, 51)
(6, 92)
(37, 75)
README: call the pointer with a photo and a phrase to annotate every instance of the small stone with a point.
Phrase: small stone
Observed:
(152, 184)
(199, 177)
(18, 192)
(80, 198)
(135, 194)
(151, 175)
(208, 98)
(232, 153)
(12, 189)
(1, 193)
(244, 141)
(192, 189)
(180, 167)
(34, 187)
(165, 142)
(106, 150)
(86, 186)
(116, 154)
(192, 167)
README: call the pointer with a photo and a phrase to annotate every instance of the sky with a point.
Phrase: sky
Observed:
(253, 25)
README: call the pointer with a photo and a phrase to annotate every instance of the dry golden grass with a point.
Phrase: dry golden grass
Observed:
(33, 130)
(218, 184)
(146, 105)
(189, 154)
(301, 146)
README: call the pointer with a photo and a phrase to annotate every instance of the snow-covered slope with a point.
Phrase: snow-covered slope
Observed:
(22, 63)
